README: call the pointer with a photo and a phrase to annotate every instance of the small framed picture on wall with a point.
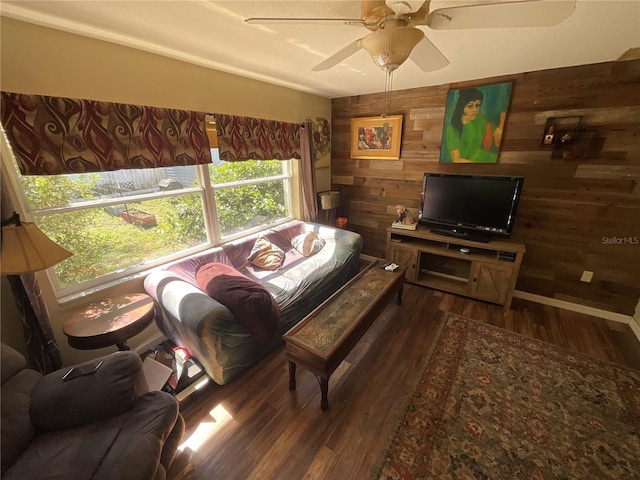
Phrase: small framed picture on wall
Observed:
(376, 137)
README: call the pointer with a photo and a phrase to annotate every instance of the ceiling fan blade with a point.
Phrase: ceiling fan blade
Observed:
(338, 57)
(302, 21)
(427, 57)
(530, 13)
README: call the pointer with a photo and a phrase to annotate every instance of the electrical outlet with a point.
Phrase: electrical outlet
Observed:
(586, 276)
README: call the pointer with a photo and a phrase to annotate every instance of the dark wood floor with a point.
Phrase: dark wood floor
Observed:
(255, 428)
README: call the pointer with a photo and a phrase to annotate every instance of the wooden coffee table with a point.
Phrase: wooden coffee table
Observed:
(110, 322)
(325, 337)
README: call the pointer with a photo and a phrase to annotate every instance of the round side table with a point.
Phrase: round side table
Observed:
(110, 322)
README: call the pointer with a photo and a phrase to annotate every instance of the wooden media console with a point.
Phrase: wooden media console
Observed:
(488, 271)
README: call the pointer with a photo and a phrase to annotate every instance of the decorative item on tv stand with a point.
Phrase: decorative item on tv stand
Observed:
(329, 202)
(405, 219)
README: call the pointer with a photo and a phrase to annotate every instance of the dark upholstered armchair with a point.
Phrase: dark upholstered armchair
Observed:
(90, 427)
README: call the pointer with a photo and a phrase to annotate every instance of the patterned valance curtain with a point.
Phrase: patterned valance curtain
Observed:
(55, 135)
(246, 138)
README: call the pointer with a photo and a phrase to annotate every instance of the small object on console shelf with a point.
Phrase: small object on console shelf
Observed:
(405, 220)
(405, 226)
(506, 256)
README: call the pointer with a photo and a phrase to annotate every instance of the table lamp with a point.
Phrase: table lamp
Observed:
(26, 249)
(329, 202)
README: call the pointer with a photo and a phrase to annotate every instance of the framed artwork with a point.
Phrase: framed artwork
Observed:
(474, 119)
(376, 137)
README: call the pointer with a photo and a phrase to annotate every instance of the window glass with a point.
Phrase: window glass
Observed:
(111, 220)
(245, 207)
(224, 172)
(122, 222)
(50, 191)
(109, 239)
(250, 194)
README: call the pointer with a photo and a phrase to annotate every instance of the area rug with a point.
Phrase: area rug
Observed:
(493, 404)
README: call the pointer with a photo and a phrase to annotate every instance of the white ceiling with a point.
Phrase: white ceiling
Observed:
(213, 34)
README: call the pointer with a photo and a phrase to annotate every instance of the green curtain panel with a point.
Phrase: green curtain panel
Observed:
(247, 138)
(55, 135)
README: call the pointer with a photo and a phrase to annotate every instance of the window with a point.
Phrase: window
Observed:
(123, 222)
(116, 223)
(249, 195)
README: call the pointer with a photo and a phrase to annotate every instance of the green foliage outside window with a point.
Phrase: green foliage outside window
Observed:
(103, 242)
(246, 206)
(43, 191)
(185, 222)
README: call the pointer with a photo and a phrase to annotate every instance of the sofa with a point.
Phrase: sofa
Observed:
(222, 344)
(94, 426)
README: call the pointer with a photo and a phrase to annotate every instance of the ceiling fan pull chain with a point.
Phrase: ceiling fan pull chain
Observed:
(388, 87)
(390, 90)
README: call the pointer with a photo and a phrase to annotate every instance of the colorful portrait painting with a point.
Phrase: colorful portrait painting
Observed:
(473, 123)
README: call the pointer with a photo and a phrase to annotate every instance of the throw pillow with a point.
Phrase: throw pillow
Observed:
(265, 254)
(250, 302)
(308, 243)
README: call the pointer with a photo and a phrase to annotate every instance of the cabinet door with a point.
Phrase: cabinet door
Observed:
(489, 281)
(405, 257)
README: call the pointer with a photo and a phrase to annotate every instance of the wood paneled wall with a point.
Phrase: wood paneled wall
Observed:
(571, 211)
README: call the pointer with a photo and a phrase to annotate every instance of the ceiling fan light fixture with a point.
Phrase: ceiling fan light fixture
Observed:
(403, 7)
(389, 48)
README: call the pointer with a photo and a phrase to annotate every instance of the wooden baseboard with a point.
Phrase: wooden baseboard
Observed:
(635, 327)
(574, 307)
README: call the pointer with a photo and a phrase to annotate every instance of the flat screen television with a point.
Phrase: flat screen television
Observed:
(475, 207)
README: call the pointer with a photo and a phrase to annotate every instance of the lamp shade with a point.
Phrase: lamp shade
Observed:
(329, 199)
(389, 48)
(26, 249)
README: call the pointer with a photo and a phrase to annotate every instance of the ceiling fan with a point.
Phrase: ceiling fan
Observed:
(395, 37)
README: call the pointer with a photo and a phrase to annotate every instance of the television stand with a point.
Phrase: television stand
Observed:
(483, 270)
(472, 236)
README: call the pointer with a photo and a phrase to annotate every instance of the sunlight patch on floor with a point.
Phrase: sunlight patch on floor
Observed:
(206, 430)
